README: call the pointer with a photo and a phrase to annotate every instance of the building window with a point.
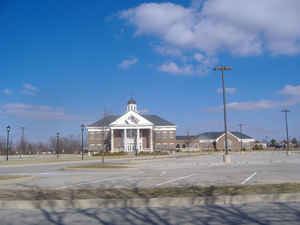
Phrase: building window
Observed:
(92, 147)
(158, 135)
(131, 133)
(92, 136)
(196, 146)
(99, 136)
(164, 135)
(166, 145)
(158, 146)
(246, 145)
(206, 146)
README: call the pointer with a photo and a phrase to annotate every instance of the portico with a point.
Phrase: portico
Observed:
(131, 139)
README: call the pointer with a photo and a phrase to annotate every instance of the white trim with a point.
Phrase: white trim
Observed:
(95, 129)
(164, 128)
(143, 120)
(207, 141)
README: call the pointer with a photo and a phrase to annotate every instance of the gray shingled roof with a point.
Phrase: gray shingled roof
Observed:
(215, 135)
(156, 120)
(241, 135)
(105, 121)
(209, 135)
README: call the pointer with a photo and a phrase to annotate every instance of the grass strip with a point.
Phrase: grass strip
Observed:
(70, 194)
(10, 177)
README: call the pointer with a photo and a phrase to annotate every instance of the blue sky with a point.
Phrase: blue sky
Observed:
(64, 62)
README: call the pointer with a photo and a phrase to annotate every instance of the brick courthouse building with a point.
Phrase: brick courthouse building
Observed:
(133, 132)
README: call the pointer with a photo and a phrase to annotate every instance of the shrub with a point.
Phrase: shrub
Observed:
(258, 147)
(152, 153)
(111, 154)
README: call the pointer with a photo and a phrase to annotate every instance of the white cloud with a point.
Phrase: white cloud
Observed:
(291, 90)
(167, 51)
(7, 91)
(253, 105)
(230, 91)
(292, 97)
(29, 89)
(173, 68)
(37, 112)
(240, 27)
(127, 63)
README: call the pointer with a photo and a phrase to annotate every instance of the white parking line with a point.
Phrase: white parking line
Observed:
(162, 173)
(173, 180)
(249, 178)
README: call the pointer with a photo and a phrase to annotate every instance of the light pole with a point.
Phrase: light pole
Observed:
(7, 141)
(57, 145)
(82, 130)
(223, 68)
(286, 111)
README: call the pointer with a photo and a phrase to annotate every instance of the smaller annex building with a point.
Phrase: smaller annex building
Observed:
(215, 141)
(131, 132)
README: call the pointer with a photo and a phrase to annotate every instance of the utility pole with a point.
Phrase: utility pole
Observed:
(188, 140)
(226, 157)
(23, 141)
(82, 146)
(57, 145)
(286, 111)
(7, 141)
(104, 144)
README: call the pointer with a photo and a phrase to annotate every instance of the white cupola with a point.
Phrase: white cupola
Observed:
(131, 105)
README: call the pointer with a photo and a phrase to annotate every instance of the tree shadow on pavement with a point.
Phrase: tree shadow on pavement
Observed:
(208, 213)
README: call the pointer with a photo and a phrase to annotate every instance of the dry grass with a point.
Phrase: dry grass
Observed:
(10, 177)
(68, 194)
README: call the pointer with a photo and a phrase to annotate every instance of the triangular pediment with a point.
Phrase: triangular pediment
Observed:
(131, 119)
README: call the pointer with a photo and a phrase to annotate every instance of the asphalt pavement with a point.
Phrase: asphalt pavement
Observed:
(258, 213)
(204, 170)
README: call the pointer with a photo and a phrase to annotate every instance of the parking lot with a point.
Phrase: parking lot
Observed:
(197, 170)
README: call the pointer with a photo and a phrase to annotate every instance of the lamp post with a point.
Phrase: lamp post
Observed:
(226, 157)
(7, 141)
(82, 130)
(286, 111)
(57, 145)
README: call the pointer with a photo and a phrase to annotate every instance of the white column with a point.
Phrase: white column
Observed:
(112, 140)
(151, 141)
(125, 140)
(138, 139)
(141, 144)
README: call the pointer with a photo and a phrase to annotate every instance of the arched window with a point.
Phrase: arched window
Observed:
(196, 146)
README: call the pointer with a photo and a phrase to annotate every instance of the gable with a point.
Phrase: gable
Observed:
(131, 118)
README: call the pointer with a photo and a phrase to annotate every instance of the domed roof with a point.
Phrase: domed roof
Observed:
(131, 101)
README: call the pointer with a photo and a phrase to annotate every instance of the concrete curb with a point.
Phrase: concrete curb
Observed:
(152, 202)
